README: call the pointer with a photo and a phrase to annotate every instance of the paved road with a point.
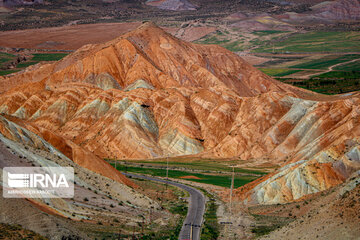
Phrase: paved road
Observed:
(193, 221)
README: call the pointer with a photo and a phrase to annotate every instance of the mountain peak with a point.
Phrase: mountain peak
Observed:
(148, 24)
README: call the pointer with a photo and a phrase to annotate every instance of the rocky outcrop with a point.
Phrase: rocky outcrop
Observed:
(174, 5)
(296, 180)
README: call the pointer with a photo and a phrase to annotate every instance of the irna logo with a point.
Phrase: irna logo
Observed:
(38, 182)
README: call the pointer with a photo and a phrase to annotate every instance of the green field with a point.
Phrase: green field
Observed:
(278, 72)
(37, 57)
(26, 64)
(334, 82)
(326, 62)
(234, 46)
(223, 39)
(218, 180)
(5, 57)
(213, 40)
(315, 42)
(268, 32)
(335, 75)
(344, 78)
(204, 165)
(353, 66)
(6, 72)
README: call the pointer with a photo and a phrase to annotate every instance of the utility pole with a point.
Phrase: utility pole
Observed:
(150, 216)
(115, 164)
(191, 231)
(227, 226)
(119, 234)
(231, 188)
(167, 170)
(142, 226)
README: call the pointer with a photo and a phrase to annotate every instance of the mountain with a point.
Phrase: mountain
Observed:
(153, 85)
(148, 94)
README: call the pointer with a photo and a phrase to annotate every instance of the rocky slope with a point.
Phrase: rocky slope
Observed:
(148, 94)
(333, 214)
(325, 12)
(98, 198)
(340, 10)
(175, 5)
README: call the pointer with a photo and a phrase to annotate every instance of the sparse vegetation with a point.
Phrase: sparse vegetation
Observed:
(264, 230)
(12, 232)
(210, 229)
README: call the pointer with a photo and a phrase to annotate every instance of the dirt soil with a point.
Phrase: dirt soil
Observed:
(66, 37)
(75, 36)
(190, 177)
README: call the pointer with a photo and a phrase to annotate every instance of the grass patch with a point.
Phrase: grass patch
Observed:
(233, 46)
(210, 228)
(179, 209)
(264, 230)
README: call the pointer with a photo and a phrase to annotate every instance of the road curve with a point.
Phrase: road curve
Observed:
(193, 221)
